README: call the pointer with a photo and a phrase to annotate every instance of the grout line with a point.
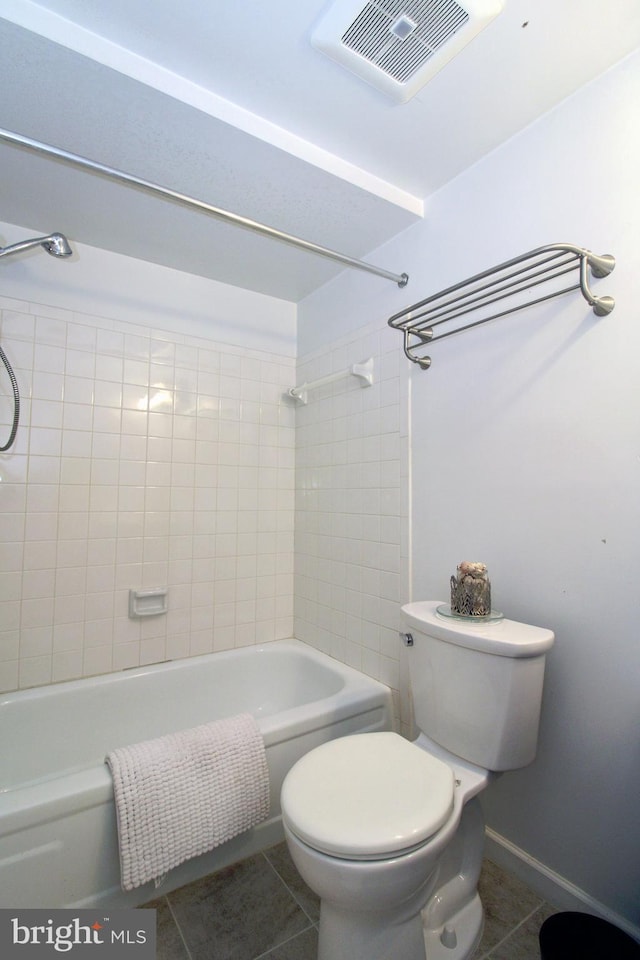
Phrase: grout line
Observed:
(487, 956)
(262, 956)
(288, 889)
(179, 928)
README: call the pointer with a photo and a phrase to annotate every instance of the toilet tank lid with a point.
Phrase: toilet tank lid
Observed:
(503, 638)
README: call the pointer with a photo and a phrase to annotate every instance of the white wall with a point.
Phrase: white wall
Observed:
(524, 440)
(125, 289)
(155, 449)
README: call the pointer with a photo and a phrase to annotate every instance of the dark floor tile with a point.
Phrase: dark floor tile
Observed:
(523, 943)
(238, 913)
(280, 858)
(506, 901)
(302, 947)
(169, 943)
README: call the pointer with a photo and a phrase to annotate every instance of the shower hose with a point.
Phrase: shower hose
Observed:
(16, 401)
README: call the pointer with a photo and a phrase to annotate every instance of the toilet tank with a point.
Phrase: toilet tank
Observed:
(477, 686)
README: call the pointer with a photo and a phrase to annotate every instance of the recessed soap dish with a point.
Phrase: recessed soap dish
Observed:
(147, 603)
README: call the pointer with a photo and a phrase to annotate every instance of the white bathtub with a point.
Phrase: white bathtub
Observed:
(58, 837)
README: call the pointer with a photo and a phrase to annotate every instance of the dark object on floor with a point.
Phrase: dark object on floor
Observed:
(579, 936)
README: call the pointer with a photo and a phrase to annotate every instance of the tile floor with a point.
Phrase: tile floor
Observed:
(260, 909)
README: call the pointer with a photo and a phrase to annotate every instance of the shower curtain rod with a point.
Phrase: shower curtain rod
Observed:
(36, 145)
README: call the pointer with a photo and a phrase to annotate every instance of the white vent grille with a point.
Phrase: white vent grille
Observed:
(398, 45)
(371, 34)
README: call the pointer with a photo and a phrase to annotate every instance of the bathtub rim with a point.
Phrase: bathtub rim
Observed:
(357, 691)
(181, 663)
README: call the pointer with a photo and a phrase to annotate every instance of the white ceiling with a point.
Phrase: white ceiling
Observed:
(230, 103)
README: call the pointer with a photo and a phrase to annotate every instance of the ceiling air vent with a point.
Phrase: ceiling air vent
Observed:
(397, 45)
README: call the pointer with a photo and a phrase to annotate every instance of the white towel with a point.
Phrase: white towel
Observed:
(183, 794)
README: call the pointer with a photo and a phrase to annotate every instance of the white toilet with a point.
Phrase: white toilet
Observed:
(389, 833)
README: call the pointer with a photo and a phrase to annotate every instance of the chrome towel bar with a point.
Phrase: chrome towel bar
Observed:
(506, 282)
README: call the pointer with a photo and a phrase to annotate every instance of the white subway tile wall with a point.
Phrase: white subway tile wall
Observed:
(351, 505)
(143, 459)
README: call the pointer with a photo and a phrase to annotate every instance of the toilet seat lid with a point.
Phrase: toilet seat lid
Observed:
(366, 796)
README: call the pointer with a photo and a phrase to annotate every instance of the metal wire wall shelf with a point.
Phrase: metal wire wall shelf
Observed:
(508, 284)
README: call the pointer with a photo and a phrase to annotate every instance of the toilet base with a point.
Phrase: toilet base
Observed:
(344, 936)
(460, 937)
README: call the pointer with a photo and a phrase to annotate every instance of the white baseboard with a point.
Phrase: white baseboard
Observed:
(548, 885)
